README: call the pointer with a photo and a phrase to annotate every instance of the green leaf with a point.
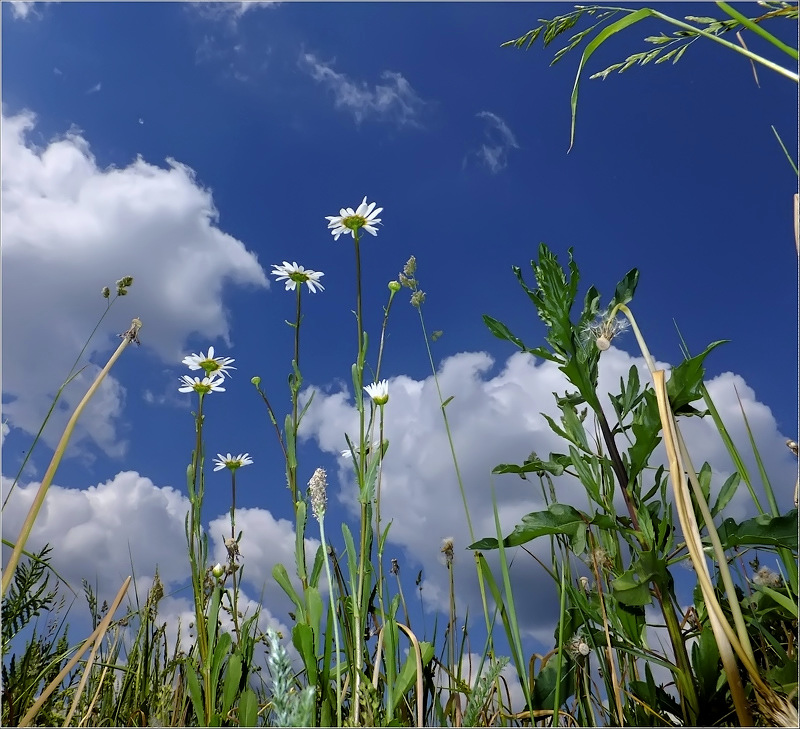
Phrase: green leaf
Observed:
(220, 654)
(645, 428)
(598, 40)
(558, 519)
(544, 688)
(314, 606)
(625, 288)
(196, 694)
(587, 473)
(686, 380)
(303, 640)
(299, 540)
(319, 563)
(501, 331)
(408, 673)
(632, 587)
(534, 465)
(230, 684)
(282, 578)
(763, 530)
(248, 708)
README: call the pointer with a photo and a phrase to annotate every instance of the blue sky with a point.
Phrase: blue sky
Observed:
(275, 116)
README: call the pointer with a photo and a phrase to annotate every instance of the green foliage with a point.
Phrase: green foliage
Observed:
(28, 596)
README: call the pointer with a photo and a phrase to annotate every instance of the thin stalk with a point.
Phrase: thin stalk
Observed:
(364, 522)
(70, 376)
(232, 559)
(335, 622)
(758, 30)
(130, 336)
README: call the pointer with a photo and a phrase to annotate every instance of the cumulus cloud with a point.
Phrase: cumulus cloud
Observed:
(495, 418)
(70, 228)
(105, 532)
(499, 140)
(393, 101)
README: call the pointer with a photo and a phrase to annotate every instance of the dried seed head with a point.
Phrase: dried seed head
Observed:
(448, 550)
(766, 577)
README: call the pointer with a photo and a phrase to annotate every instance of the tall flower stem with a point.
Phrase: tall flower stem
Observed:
(358, 628)
(232, 560)
(198, 555)
(130, 336)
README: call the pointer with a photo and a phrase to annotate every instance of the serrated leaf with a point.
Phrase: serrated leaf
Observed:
(501, 331)
(683, 386)
(531, 466)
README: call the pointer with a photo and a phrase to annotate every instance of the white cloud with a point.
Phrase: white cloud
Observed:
(393, 101)
(499, 141)
(106, 532)
(230, 11)
(70, 228)
(23, 9)
(495, 418)
(95, 88)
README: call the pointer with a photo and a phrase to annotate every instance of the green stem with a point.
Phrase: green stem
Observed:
(758, 30)
(334, 614)
(232, 559)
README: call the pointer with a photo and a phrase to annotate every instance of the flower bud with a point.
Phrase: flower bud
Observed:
(394, 286)
(217, 570)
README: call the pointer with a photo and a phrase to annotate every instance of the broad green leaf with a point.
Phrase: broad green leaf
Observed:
(248, 708)
(544, 686)
(303, 640)
(762, 530)
(314, 607)
(632, 587)
(558, 519)
(230, 684)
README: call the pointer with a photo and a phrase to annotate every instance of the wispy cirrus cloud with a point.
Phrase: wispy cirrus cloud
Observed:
(499, 140)
(230, 11)
(23, 9)
(393, 100)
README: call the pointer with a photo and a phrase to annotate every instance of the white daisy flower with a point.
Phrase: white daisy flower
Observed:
(294, 274)
(231, 462)
(202, 387)
(209, 363)
(349, 220)
(379, 392)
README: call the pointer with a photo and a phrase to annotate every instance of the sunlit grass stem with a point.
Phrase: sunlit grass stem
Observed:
(8, 573)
